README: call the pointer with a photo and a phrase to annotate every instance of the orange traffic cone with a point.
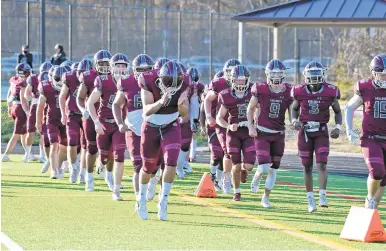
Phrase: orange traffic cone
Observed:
(363, 224)
(206, 188)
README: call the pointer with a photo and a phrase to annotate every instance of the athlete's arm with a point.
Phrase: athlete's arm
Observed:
(183, 104)
(251, 110)
(62, 102)
(210, 97)
(28, 95)
(338, 113)
(94, 97)
(119, 102)
(294, 114)
(81, 100)
(149, 107)
(24, 103)
(220, 117)
(40, 111)
(353, 104)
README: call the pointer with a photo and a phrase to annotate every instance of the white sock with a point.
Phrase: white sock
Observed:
(193, 147)
(310, 194)
(82, 171)
(166, 187)
(109, 175)
(271, 179)
(28, 150)
(41, 151)
(181, 159)
(322, 192)
(142, 192)
(74, 166)
(236, 190)
(213, 168)
(90, 176)
(219, 175)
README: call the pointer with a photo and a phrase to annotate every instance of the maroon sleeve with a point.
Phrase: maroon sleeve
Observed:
(254, 90)
(221, 98)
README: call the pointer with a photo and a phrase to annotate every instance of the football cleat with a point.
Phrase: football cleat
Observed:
(265, 202)
(25, 158)
(54, 175)
(311, 204)
(117, 195)
(82, 179)
(5, 158)
(219, 176)
(215, 182)
(141, 208)
(237, 197)
(187, 168)
(163, 209)
(32, 157)
(60, 173)
(74, 175)
(100, 171)
(90, 186)
(370, 203)
(45, 167)
(42, 159)
(323, 200)
(180, 172)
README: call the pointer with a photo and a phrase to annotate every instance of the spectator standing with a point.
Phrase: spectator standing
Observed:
(59, 57)
(25, 56)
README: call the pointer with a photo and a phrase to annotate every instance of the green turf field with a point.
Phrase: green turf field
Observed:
(39, 213)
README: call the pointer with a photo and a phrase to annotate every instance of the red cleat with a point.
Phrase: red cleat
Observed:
(237, 197)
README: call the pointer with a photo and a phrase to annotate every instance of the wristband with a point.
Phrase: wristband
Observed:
(338, 126)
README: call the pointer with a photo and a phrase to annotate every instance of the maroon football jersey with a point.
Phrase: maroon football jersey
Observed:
(129, 86)
(52, 101)
(273, 106)
(33, 81)
(218, 85)
(16, 83)
(374, 112)
(108, 88)
(237, 107)
(87, 79)
(71, 81)
(315, 106)
(147, 81)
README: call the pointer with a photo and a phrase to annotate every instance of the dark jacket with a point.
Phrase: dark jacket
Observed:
(58, 58)
(28, 58)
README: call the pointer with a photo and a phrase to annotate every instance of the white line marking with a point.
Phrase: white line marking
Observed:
(9, 243)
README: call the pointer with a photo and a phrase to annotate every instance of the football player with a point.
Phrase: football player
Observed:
(72, 118)
(164, 97)
(215, 87)
(49, 95)
(234, 102)
(313, 100)
(128, 99)
(86, 76)
(270, 100)
(110, 141)
(18, 109)
(371, 94)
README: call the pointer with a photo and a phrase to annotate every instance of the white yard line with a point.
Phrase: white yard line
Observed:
(9, 243)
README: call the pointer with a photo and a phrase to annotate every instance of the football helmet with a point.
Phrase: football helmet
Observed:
(228, 66)
(45, 67)
(57, 77)
(119, 64)
(314, 73)
(240, 78)
(378, 70)
(170, 78)
(142, 63)
(102, 62)
(194, 74)
(160, 62)
(275, 72)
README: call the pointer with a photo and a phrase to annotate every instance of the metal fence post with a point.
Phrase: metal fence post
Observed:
(109, 29)
(321, 44)
(241, 42)
(210, 46)
(269, 44)
(144, 30)
(296, 55)
(179, 37)
(43, 28)
(70, 31)
(27, 23)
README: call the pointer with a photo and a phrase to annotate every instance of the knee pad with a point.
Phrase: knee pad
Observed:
(119, 155)
(263, 168)
(63, 141)
(215, 162)
(307, 162)
(104, 157)
(137, 165)
(383, 182)
(308, 168)
(221, 166)
(92, 149)
(275, 165)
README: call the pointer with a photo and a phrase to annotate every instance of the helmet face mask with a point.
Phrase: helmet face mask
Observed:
(275, 77)
(23, 70)
(170, 78)
(240, 78)
(380, 79)
(314, 75)
(378, 70)
(102, 62)
(57, 74)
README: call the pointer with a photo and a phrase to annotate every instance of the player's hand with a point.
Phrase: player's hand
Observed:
(164, 99)
(99, 128)
(252, 131)
(203, 132)
(233, 127)
(352, 137)
(211, 121)
(123, 128)
(335, 133)
(297, 125)
(10, 112)
(85, 114)
(39, 127)
(63, 120)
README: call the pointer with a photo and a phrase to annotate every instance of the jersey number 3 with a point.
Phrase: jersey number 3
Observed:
(314, 106)
(380, 109)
